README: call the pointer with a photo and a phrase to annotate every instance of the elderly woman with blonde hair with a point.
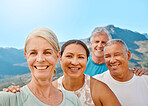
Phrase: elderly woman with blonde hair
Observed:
(42, 53)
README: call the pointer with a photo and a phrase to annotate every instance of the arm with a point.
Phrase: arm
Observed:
(102, 94)
(12, 89)
(138, 71)
(15, 89)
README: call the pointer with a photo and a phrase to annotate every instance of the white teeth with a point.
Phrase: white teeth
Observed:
(74, 68)
(114, 66)
(99, 50)
(41, 68)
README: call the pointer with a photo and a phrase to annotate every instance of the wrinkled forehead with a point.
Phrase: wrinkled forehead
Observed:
(38, 42)
(115, 47)
(102, 35)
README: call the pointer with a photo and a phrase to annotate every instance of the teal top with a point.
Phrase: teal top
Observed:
(26, 98)
(93, 68)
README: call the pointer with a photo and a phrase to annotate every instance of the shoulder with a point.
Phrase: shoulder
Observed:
(8, 97)
(102, 76)
(4, 97)
(144, 78)
(57, 82)
(71, 97)
(102, 94)
(6, 94)
(98, 88)
(97, 84)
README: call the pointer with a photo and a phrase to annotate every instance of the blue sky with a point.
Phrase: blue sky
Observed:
(69, 19)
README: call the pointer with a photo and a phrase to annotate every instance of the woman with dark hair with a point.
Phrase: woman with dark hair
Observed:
(74, 54)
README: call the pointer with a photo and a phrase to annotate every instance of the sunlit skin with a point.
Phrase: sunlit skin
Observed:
(74, 60)
(41, 59)
(97, 46)
(73, 63)
(116, 59)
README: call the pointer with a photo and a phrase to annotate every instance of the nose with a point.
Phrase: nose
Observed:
(75, 61)
(40, 58)
(100, 44)
(112, 60)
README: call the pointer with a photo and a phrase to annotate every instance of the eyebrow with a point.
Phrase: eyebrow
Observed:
(73, 53)
(36, 50)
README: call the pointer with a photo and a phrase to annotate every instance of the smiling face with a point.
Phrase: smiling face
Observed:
(116, 59)
(98, 44)
(74, 60)
(41, 58)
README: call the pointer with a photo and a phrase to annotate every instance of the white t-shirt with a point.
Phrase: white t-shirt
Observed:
(130, 93)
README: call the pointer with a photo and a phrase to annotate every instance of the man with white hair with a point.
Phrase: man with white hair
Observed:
(96, 63)
(130, 90)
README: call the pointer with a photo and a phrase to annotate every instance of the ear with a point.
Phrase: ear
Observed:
(90, 44)
(25, 54)
(129, 55)
(58, 56)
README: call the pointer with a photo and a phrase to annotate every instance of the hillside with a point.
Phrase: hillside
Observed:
(14, 66)
(137, 44)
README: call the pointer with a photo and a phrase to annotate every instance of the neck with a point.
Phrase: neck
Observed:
(126, 76)
(73, 84)
(98, 60)
(39, 87)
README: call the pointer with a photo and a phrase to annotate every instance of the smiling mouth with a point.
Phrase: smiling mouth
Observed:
(41, 68)
(99, 50)
(114, 66)
(74, 69)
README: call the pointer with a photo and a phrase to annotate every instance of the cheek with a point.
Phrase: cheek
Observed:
(84, 62)
(107, 60)
(94, 46)
(65, 62)
(52, 59)
(30, 61)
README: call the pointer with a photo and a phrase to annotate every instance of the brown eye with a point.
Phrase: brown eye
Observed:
(96, 41)
(48, 53)
(81, 57)
(69, 56)
(104, 42)
(106, 56)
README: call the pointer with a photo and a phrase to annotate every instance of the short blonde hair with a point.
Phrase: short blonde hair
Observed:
(46, 34)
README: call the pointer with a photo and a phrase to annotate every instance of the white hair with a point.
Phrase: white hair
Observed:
(98, 30)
